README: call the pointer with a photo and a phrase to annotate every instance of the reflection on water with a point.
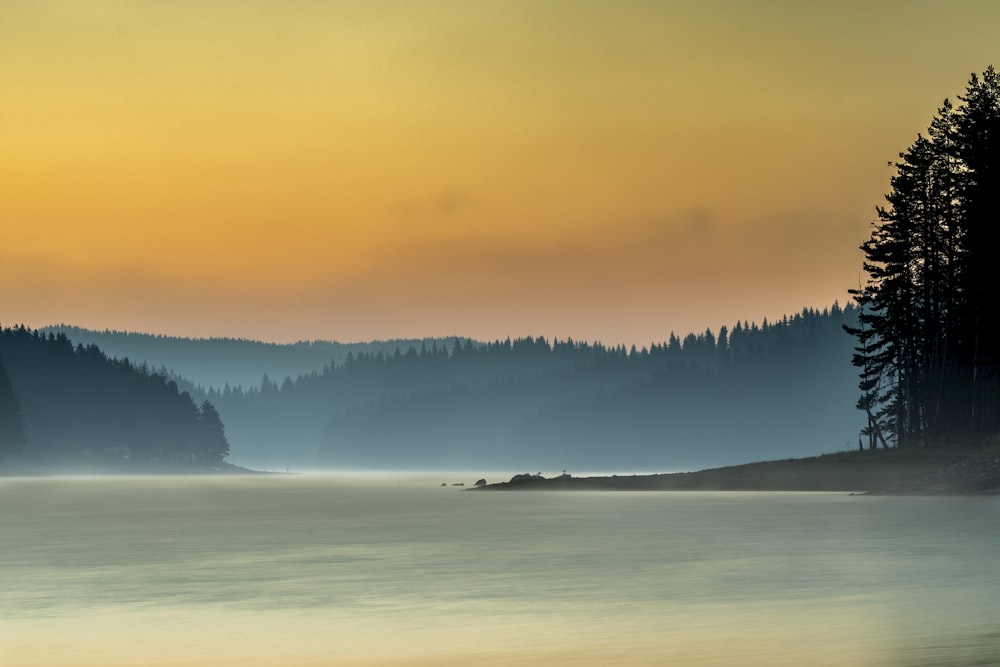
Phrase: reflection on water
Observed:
(321, 571)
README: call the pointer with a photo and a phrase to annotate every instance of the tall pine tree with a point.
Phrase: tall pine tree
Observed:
(927, 354)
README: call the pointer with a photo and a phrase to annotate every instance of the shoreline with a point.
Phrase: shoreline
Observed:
(41, 470)
(953, 471)
(944, 471)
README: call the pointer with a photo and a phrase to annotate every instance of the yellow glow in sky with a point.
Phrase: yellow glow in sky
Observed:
(357, 170)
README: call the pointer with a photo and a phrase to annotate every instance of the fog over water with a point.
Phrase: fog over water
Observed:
(378, 570)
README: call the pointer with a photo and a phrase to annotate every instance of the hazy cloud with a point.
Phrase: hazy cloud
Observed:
(445, 203)
(697, 223)
(636, 278)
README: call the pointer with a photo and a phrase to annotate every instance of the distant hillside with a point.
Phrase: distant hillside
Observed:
(215, 362)
(775, 390)
(735, 395)
(78, 407)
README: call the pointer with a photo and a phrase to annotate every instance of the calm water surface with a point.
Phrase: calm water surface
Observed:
(309, 571)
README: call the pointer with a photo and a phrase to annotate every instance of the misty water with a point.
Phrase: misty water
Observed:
(299, 570)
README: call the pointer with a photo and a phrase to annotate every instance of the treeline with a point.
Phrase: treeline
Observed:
(64, 405)
(739, 394)
(215, 362)
(927, 349)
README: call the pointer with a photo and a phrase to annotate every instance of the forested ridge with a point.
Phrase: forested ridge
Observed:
(215, 362)
(65, 405)
(737, 394)
(733, 395)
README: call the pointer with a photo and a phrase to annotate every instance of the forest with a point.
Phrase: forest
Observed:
(774, 390)
(733, 395)
(62, 405)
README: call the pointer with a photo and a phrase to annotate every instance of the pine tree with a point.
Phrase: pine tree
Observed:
(213, 445)
(928, 361)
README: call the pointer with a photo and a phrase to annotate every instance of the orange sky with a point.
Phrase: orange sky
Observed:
(356, 170)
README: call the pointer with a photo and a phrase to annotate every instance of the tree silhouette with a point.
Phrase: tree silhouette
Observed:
(927, 356)
(213, 445)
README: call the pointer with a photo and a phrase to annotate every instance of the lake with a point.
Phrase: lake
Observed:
(378, 571)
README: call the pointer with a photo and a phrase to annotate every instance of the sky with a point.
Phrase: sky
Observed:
(364, 170)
